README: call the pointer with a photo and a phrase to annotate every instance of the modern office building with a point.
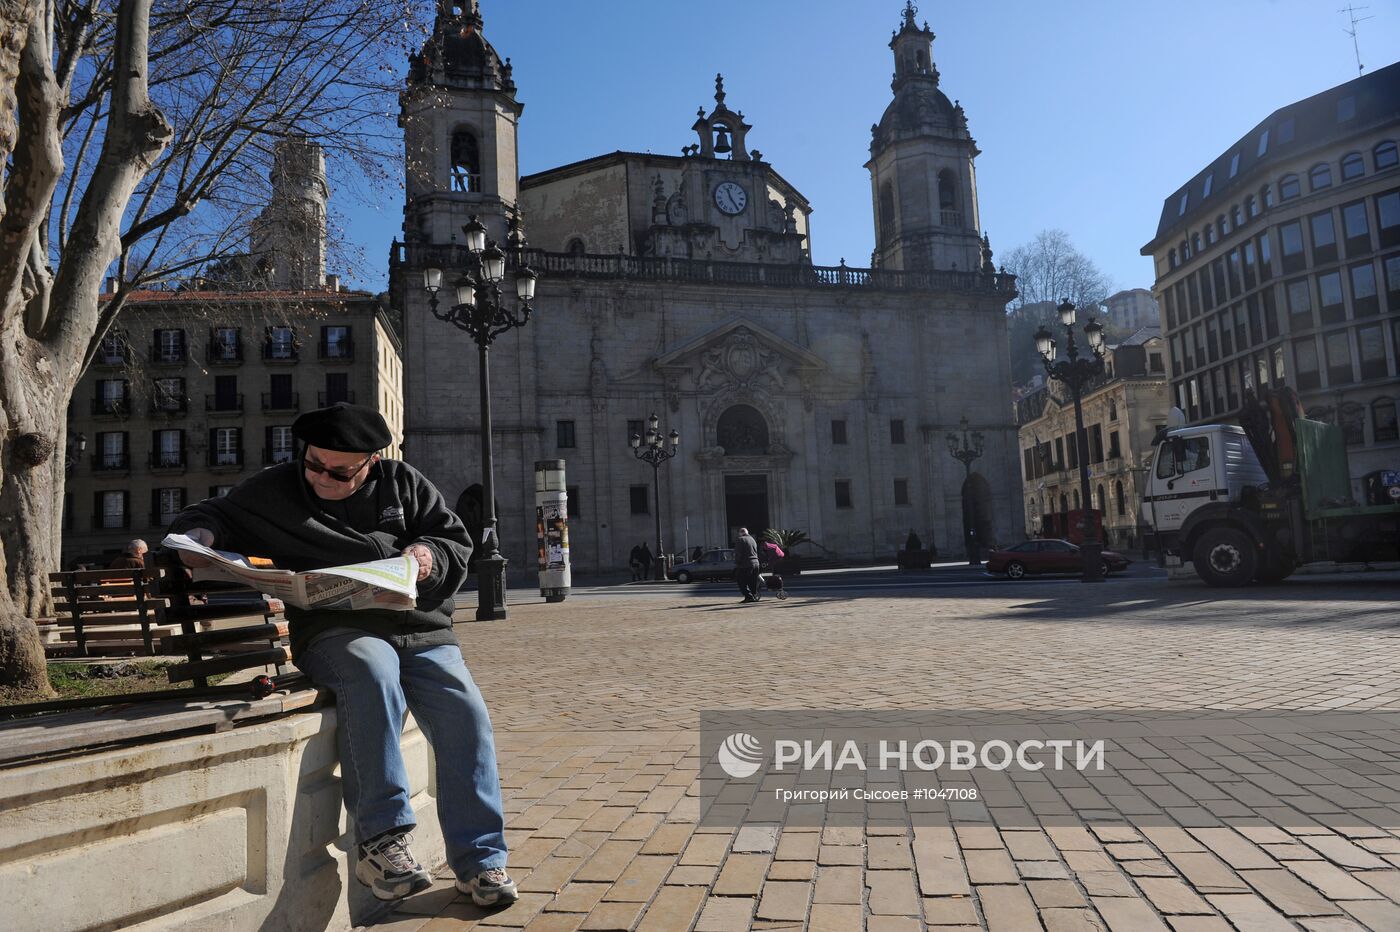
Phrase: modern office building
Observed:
(1279, 264)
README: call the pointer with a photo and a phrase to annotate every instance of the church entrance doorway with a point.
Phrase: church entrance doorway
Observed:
(745, 505)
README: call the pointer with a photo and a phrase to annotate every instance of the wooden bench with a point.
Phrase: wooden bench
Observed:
(116, 610)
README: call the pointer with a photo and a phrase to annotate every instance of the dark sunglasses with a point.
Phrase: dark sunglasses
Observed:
(331, 473)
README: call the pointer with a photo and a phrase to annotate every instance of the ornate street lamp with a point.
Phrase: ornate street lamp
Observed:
(653, 449)
(1076, 372)
(481, 310)
(966, 447)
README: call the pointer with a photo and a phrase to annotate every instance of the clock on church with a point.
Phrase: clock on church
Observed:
(730, 198)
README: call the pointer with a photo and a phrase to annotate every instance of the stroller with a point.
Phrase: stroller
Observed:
(771, 580)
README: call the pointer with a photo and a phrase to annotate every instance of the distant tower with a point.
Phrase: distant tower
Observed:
(921, 172)
(459, 116)
(289, 236)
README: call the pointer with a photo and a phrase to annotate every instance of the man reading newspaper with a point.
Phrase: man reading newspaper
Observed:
(339, 504)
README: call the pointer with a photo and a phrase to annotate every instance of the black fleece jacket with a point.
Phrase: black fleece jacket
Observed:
(275, 514)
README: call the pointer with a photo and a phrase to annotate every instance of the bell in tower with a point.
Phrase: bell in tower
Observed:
(921, 165)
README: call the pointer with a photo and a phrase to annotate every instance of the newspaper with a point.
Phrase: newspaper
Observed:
(386, 584)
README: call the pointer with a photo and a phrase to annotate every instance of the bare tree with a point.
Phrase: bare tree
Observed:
(1048, 270)
(140, 134)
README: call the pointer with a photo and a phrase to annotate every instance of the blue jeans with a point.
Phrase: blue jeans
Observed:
(374, 684)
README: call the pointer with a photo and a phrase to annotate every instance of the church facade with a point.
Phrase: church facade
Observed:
(805, 397)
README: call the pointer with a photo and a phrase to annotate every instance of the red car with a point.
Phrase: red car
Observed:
(1047, 556)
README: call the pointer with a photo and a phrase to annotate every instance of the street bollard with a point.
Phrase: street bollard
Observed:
(552, 529)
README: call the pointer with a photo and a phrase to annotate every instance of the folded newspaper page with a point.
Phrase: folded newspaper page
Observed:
(390, 584)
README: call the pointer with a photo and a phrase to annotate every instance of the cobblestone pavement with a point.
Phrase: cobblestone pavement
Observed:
(596, 704)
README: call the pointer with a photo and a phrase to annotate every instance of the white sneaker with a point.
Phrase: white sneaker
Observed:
(491, 887)
(389, 869)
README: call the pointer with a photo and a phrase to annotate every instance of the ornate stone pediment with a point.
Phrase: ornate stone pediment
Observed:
(740, 356)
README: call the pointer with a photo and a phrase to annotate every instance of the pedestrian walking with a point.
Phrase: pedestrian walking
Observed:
(647, 561)
(746, 570)
(634, 561)
(338, 504)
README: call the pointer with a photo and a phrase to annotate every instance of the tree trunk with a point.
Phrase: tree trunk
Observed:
(32, 459)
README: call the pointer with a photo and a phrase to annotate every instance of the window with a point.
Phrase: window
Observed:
(838, 432)
(843, 493)
(112, 396)
(1353, 166)
(336, 342)
(901, 491)
(897, 430)
(1209, 232)
(226, 446)
(1305, 357)
(169, 346)
(1263, 143)
(1271, 318)
(1113, 409)
(1195, 243)
(1237, 216)
(575, 247)
(1338, 347)
(1371, 342)
(635, 429)
(112, 351)
(1115, 448)
(1207, 185)
(1285, 131)
(466, 162)
(168, 396)
(1355, 228)
(1266, 259)
(1388, 210)
(564, 435)
(1385, 156)
(219, 491)
(1251, 206)
(742, 431)
(281, 397)
(1291, 243)
(1278, 364)
(111, 451)
(110, 510)
(1364, 302)
(337, 388)
(639, 499)
(1289, 187)
(1176, 459)
(1171, 259)
(1181, 210)
(1154, 362)
(886, 211)
(1329, 289)
(1324, 237)
(1320, 176)
(1384, 427)
(1392, 280)
(166, 504)
(1096, 443)
(1234, 165)
(1352, 420)
(1299, 303)
(281, 343)
(1120, 498)
(281, 448)
(1266, 194)
(167, 448)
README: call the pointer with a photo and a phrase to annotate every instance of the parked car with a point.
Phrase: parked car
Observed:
(1047, 556)
(713, 564)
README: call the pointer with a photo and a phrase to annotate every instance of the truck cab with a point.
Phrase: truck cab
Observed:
(1194, 467)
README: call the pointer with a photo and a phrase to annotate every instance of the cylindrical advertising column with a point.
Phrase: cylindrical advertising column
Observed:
(552, 529)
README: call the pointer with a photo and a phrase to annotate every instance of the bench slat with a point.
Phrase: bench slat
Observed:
(226, 636)
(185, 671)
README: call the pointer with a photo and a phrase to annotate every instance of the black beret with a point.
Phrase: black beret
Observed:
(344, 428)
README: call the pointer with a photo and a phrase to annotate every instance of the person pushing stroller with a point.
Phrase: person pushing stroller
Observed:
(770, 553)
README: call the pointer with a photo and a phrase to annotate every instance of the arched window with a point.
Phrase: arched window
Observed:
(886, 211)
(1195, 243)
(1353, 166)
(1251, 206)
(575, 247)
(1098, 497)
(948, 199)
(1237, 215)
(1385, 155)
(1064, 502)
(1384, 427)
(1289, 187)
(1209, 231)
(1185, 250)
(1320, 176)
(1113, 409)
(1122, 500)
(1171, 259)
(1223, 225)
(1076, 499)
(742, 431)
(1352, 419)
(466, 162)
(1266, 194)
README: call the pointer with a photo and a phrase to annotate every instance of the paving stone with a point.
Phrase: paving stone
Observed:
(842, 885)
(1249, 913)
(555, 922)
(1007, 908)
(609, 861)
(1052, 894)
(798, 847)
(792, 870)
(1029, 846)
(1041, 870)
(1148, 869)
(1288, 894)
(1234, 849)
(692, 875)
(756, 838)
(940, 869)
(950, 911)
(892, 893)
(1105, 883)
(520, 912)
(892, 924)
(1374, 914)
(1340, 851)
(1171, 896)
(578, 897)
(889, 854)
(1198, 924)
(742, 875)
(990, 867)
(725, 914)
(641, 879)
(550, 876)
(612, 916)
(841, 854)
(708, 850)
(1337, 884)
(668, 839)
(1059, 919)
(1206, 872)
(784, 899)
(831, 917)
(1128, 914)
(673, 910)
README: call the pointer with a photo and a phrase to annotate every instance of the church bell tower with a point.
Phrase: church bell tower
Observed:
(459, 116)
(921, 167)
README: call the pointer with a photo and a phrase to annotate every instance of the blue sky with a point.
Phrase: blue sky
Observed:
(1088, 114)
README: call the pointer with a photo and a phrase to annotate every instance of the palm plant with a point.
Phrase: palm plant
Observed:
(786, 538)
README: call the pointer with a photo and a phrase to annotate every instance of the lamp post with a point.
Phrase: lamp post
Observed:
(966, 447)
(654, 449)
(1075, 372)
(74, 452)
(484, 314)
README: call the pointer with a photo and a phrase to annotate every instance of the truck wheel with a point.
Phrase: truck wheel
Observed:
(1225, 556)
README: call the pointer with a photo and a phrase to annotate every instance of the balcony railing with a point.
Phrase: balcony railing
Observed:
(111, 462)
(277, 401)
(329, 398)
(166, 459)
(225, 458)
(280, 352)
(112, 406)
(223, 404)
(337, 349)
(271, 457)
(168, 405)
(951, 218)
(219, 353)
(109, 522)
(162, 355)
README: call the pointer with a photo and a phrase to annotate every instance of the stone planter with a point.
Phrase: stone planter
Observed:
(240, 829)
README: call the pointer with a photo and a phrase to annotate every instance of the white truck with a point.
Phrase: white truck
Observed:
(1253, 503)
